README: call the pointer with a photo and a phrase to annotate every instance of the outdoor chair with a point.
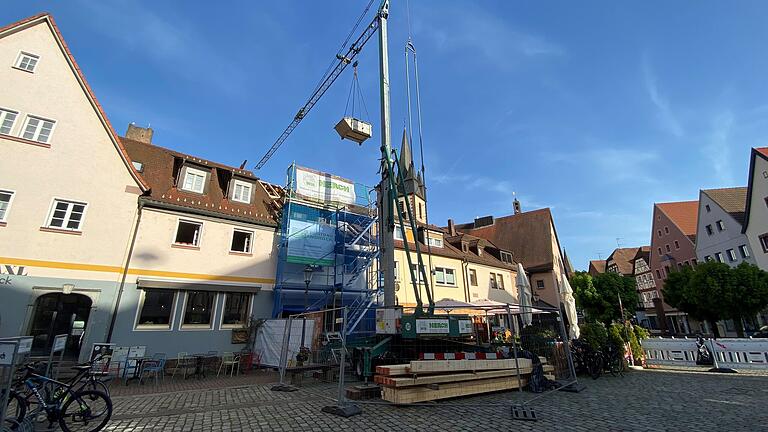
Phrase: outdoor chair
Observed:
(231, 361)
(154, 366)
(211, 360)
(183, 362)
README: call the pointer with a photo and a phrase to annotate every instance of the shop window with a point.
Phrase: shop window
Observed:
(156, 309)
(236, 308)
(198, 309)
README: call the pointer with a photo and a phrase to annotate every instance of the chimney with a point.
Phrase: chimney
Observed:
(451, 228)
(140, 134)
(516, 206)
(483, 221)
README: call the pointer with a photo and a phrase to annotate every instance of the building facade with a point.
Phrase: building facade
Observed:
(718, 234)
(644, 283)
(68, 195)
(673, 245)
(621, 261)
(755, 225)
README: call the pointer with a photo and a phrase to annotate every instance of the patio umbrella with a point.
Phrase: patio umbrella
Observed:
(524, 295)
(566, 294)
(447, 304)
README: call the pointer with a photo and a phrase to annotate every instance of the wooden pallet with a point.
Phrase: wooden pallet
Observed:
(438, 366)
(407, 395)
(445, 378)
(393, 370)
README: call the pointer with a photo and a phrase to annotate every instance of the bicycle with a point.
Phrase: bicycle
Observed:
(614, 361)
(586, 359)
(75, 409)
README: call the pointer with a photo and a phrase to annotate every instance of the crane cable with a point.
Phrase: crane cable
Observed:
(356, 95)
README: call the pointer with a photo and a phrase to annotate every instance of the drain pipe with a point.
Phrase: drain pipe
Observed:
(125, 273)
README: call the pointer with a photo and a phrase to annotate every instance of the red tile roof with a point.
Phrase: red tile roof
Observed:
(624, 259)
(732, 200)
(684, 214)
(762, 150)
(48, 19)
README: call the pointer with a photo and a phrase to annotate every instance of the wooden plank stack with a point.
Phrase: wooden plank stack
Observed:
(428, 380)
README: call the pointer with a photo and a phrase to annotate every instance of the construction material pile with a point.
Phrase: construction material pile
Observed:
(428, 380)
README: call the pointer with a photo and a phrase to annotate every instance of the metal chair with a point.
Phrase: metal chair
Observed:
(155, 366)
(229, 360)
(183, 362)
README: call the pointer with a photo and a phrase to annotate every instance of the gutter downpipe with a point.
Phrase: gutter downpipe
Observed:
(464, 267)
(125, 273)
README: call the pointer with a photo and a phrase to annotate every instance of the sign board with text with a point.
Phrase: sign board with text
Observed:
(7, 349)
(432, 326)
(59, 343)
(324, 187)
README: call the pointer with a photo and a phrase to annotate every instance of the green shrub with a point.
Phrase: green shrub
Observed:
(641, 333)
(594, 334)
(615, 337)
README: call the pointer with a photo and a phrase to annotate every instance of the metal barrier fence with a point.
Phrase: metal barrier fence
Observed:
(321, 355)
(729, 353)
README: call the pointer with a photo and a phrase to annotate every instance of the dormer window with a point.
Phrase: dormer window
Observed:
(27, 62)
(506, 257)
(194, 180)
(434, 242)
(241, 191)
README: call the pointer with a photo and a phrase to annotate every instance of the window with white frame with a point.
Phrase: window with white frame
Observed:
(445, 276)
(398, 234)
(7, 119)
(156, 309)
(720, 225)
(719, 256)
(66, 215)
(742, 250)
(472, 277)
(417, 273)
(731, 255)
(38, 129)
(6, 197)
(194, 180)
(27, 61)
(236, 308)
(500, 279)
(241, 241)
(241, 192)
(435, 242)
(494, 283)
(188, 233)
(198, 309)
(506, 257)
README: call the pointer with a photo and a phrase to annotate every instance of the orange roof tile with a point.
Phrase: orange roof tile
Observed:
(685, 214)
(763, 150)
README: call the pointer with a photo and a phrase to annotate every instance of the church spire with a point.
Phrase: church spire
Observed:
(413, 181)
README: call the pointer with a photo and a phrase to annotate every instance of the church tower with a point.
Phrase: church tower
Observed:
(413, 192)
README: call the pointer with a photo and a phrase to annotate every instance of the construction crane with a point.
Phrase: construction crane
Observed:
(391, 175)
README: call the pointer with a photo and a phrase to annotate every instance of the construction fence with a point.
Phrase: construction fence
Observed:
(514, 356)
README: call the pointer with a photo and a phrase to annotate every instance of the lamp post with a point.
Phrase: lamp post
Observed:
(307, 279)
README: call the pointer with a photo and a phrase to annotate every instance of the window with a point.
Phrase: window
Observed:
(501, 281)
(241, 241)
(7, 118)
(398, 234)
(417, 273)
(397, 271)
(720, 225)
(709, 230)
(242, 192)
(764, 242)
(667, 248)
(5, 203)
(494, 283)
(731, 255)
(694, 262)
(157, 308)
(660, 253)
(194, 180)
(38, 129)
(472, 277)
(188, 233)
(540, 284)
(420, 213)
(677, 245)
(659, 231)
(666, 230)
(658, 274)
(66, 215)
(236, 308)
(506, 257)
(445, 276)
(402, 207)
(707, 258)
(27, 61)
(198, 309)
(708, 208)
(743, 251)
(436, 242)
(138, 166)
(719, 256)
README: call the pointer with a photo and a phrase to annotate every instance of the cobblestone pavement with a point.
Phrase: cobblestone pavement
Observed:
(640, 401)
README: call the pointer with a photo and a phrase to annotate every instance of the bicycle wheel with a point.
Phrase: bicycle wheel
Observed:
(595, 365)
(15, 410)
(616, 366)
(80, 412)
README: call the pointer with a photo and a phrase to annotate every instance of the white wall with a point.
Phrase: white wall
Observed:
(758, 217)
(720, 241)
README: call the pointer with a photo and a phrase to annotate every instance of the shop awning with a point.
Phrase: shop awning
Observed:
(144, 283)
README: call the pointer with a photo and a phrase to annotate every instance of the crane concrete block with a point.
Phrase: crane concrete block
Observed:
(354, 129)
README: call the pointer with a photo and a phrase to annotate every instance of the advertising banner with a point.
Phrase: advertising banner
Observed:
(432, 326)
(324, 187)
(311, 242)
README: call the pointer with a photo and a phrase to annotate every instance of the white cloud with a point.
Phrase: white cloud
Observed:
(667, 117)
(610, 164)
(718, 150)
(463, 27)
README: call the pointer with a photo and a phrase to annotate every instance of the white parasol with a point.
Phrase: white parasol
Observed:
(566, 294)
(524, 295)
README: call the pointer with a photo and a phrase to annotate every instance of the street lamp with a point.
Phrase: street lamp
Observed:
(307, 279)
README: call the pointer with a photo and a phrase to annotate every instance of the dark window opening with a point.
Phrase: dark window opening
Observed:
(188, 233)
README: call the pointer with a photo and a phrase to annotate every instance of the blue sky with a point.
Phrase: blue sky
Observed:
(594, 109)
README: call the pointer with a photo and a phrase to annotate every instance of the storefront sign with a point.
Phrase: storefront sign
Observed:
(432, 326)
(324, 187)
(6, 353)
(465, 326)
(59, 343)
(13, 270)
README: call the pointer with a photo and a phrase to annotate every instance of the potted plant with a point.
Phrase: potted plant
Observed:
(302, 356)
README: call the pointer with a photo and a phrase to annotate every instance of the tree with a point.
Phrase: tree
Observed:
(599, 296)
(748, 296)
(701, 293)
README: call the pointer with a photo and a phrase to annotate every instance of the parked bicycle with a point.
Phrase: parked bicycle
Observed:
(613, 360)
(72, 405)
(586, 360)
